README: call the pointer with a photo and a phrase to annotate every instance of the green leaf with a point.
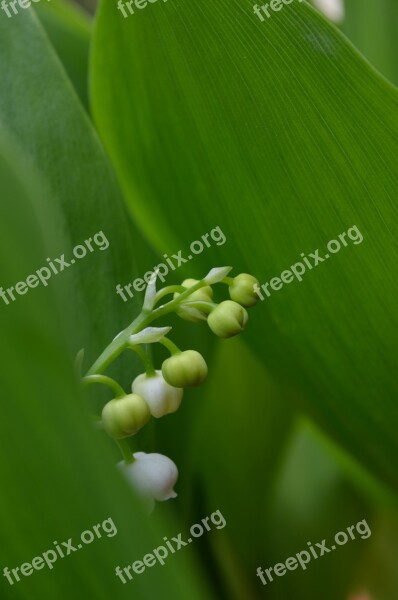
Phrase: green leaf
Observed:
(80, 192)
(69, 28)
(280, 133)
(58, 475)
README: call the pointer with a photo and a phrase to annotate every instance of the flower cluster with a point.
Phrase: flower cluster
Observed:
(159, 392)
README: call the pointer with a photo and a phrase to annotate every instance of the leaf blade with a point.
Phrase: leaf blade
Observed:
(284, 135)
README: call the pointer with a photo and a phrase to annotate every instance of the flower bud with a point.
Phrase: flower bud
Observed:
(161, 397)
(152, 475)
(122, 417)
(227, 319)
(185, 369)
(204, 294)
(241, 290)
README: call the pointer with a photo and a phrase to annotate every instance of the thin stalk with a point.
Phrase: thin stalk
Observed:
(117, 346)
(120, 343)
(125, 450)
(105, 380)
(148, 364)
(171, 346)
(201, 305)
(227, 280)
(171, 289)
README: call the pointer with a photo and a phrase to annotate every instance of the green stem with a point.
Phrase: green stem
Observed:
(171, 289)
(201, 305)
(125, 450)
(173, 304)
(105, 380)
(171, 346)
(227, 280)
(148, 364)
(120, 343)
(117, 346)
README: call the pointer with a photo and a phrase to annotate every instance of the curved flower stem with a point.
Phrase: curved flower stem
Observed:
(171, 289)
(125, 450)
(164, 309)
(227, 280)
(171, 346)
(117, 346)
(120, 343)
(148, 364)
(201, 305)
(105, 380)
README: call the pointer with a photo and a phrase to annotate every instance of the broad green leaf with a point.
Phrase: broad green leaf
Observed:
(69, 28)
(57, 473)
(280, 133)
(80, 191)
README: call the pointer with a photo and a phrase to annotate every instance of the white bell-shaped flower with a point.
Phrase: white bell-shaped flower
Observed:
(161, 397)
(153, 476)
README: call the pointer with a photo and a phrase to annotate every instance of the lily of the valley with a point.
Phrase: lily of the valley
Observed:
(153, 476)
(161, 397)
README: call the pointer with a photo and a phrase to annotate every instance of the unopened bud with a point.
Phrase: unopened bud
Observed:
(185, 369)
(241, 290)
(227, 319)
(204, 294)
(123, 417)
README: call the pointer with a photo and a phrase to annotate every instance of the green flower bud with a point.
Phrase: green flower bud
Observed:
(227, 319)
(204, 294)
(185, 369)
(241, 290)
(123, 417)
